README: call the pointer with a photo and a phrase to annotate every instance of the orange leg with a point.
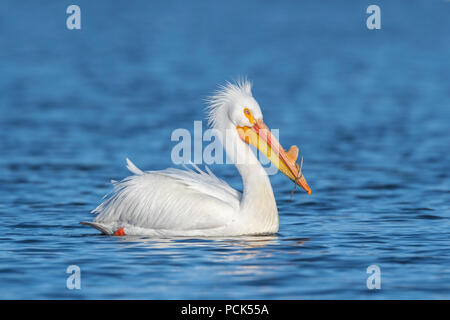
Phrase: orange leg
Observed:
(119, 232)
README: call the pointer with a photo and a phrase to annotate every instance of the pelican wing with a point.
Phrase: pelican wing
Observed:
(170, 199)
(205, 183)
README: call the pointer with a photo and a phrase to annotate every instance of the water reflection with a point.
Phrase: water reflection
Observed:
(179, 242)
(248, 256)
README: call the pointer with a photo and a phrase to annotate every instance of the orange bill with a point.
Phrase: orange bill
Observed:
(260, 136)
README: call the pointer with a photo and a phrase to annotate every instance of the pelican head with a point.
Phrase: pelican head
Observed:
(233, 107)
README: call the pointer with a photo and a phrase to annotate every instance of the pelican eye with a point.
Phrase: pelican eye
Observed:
(249, 115)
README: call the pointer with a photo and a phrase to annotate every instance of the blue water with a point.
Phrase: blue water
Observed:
(370, 111)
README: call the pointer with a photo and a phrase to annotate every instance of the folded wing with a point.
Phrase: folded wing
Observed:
(171, 199)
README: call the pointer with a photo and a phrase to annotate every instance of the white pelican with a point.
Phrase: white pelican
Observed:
(175, 202)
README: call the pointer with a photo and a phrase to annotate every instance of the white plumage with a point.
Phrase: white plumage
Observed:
(175, 202)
